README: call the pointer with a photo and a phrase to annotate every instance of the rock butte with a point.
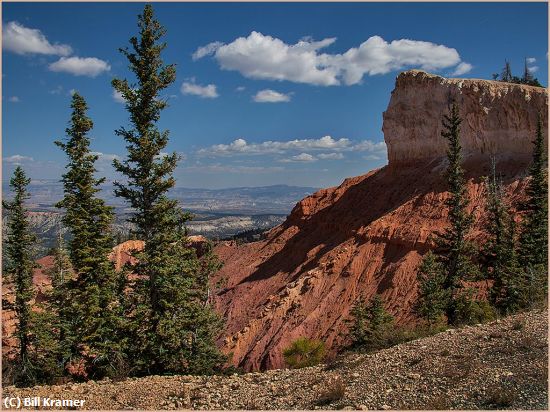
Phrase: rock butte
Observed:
(367, 235)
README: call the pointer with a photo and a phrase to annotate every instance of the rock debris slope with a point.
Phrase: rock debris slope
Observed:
(501, 365)
(367, 235)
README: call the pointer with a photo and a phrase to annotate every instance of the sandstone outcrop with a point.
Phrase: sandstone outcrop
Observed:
(367, 235)
(498, 118)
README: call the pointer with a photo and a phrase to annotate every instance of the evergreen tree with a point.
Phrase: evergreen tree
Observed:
(454, 251)
(20, 265)
(433, 299)
(94, 318)
(371, 324)
(173, 326)
(506, 75)
(58, 304)
(527, 76)
(533, 252)
(498, 254)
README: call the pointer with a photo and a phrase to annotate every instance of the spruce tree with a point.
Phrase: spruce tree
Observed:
(371, 324)
(506, 75)
(173, 326)
(20, 264)
(498, 255)
(433, 299)
(455, 252)
(533, 252)
(93, 313)
(58, 303)
(527, 76)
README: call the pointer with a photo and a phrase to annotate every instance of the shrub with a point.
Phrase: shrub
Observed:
(335, 390)
(373, 327)
(469, 311)
(518, 325)
(304, 352)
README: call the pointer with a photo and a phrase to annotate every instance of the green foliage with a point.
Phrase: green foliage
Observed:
(534, 228)
(90, 316)
(371, 325)
(432, 296)
(304, 352)
(172, 326)
(498, 254)
(19, 269)
(507, 76)
(471, 311)
(455, 252)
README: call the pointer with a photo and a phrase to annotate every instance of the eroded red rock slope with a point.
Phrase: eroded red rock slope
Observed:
(367, 235)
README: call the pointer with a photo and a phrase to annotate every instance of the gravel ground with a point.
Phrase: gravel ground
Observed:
(499, 365)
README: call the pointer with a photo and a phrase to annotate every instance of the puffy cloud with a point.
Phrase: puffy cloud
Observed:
(533, 69)
(18, 159)
(14, 99)
(108, 157)
(331, 156)
(531, 60)
(241, 146)
(240, 89)
(80, 66)
(370, 146)
(190, 87)
(264, 57)
(117, 97)
(207, 50)
(22, 40)
(302, 157)
(462, 68)
(270, 96)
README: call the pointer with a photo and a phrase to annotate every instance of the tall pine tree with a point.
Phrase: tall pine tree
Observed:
(19, 269)
(173, 327)
(456, 253)
(498, 254)
(93, 339)
(442, 276)
(533, 253)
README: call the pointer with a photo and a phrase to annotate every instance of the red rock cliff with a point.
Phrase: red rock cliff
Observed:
(367, 235)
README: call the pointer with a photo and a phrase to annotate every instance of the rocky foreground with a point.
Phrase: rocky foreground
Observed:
(500, 365)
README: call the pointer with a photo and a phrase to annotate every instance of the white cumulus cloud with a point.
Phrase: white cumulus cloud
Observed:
(260, 56)
(109, 157)
(14, 99)
(462, 68)
(117, 97)
(531, 60)
(23, 40)
(210, 48)
(17, 159)
(270, 96)
(208, 91)
(331, 156)
(80, 66)
(302, 157)
(324, 144)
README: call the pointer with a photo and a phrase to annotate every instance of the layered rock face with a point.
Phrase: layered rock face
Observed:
(368, 235)
(498, 118)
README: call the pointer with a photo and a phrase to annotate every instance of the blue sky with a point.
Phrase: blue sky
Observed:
(265, 93)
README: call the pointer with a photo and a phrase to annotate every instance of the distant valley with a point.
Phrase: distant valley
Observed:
(218, 213)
